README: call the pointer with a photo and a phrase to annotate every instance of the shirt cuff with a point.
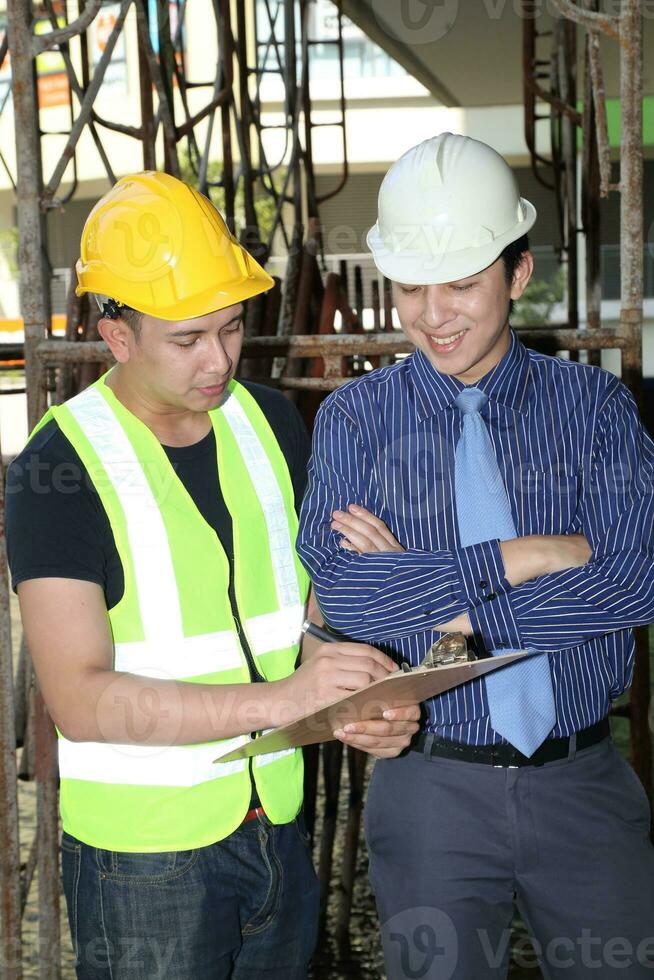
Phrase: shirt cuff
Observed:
(494, 623)
(481, 570)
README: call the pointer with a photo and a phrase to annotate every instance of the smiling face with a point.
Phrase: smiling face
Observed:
(463, 326)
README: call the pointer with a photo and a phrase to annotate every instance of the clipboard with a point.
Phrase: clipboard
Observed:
(397, 690)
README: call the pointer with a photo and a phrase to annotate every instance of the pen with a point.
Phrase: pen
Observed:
(319, 633)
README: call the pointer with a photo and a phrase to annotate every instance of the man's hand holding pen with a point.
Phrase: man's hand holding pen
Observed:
(335, 669)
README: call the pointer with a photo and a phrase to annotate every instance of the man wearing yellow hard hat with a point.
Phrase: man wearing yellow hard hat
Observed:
(481, 487)
(151, 529)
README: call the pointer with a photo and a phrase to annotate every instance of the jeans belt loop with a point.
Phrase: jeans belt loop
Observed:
(429, 741)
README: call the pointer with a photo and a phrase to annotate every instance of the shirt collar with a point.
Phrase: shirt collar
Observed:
(507, 383)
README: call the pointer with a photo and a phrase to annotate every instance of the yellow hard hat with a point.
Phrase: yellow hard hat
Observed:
(156, 245)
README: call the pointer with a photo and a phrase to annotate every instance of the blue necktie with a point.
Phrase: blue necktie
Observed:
(520, 697)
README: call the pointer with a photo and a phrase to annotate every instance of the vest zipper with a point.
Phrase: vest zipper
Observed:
(255, 673)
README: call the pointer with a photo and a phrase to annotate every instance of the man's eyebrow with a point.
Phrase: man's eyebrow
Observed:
(191, 333)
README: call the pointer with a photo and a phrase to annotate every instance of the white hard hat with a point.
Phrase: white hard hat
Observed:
(447, 209)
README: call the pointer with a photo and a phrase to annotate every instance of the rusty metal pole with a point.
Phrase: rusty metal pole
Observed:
(250, 233)
(10, 903)
(631, 314)
(631, 186)
(34, 277)
(35, 306)
(48, 844)
(590, 192)
(227, 37)
(567, 71)
(145, 92)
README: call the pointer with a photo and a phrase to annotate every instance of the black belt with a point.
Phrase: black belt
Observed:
(506, 756)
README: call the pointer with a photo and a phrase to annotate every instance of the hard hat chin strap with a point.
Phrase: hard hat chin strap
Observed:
(113, 309)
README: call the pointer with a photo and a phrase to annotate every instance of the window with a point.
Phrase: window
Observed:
(362, 58)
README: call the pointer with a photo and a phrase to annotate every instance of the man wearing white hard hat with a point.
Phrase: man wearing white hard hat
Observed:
(480, 487)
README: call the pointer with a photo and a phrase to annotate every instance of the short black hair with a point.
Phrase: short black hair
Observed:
(512, 257)
(132, 318)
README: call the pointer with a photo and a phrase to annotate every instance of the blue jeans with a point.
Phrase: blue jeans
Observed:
(243, 908)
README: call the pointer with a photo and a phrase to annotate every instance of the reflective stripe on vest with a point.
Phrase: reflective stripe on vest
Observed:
(147, 765)
(270, 498)
(142, 496)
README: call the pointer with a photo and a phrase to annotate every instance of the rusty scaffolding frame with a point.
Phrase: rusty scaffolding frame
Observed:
(280, 329)
(551, 81)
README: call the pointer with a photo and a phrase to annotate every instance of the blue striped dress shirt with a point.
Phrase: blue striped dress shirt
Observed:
(574, 457)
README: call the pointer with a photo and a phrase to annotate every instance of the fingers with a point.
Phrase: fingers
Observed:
(408, 713)
(379, 729)
(350, 666)
(353, 679)
(364, 531)
(361, 520)
(361, 543)
(362, 514)
(382, 739)
(362, 650)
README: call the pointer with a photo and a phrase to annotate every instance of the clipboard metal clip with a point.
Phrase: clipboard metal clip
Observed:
(450, 649)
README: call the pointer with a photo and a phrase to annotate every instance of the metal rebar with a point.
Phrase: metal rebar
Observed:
(87, 105)
(166, 108)
(590, 212)
(10, 897)
(332, 758)
(599, 101)
(47, 830)
(55, 38)
(357, 762)
(145, 96)
(34, 278)
(79, 92)
(589, 18)
(631, 314)
(567, 65)
(54, 352)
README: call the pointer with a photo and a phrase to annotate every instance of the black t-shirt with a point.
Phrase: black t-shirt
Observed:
(57, 526)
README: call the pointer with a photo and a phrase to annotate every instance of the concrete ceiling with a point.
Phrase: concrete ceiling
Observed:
(469, 52)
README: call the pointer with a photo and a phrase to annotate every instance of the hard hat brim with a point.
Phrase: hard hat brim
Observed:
(415, 268)
(212, 299)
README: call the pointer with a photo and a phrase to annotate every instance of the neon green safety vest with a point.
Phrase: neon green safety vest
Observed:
(175, 621)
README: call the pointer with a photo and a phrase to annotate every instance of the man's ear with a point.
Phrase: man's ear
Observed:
(118, 337)
(522, 274)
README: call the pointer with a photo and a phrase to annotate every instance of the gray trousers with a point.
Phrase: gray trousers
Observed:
(452, 843)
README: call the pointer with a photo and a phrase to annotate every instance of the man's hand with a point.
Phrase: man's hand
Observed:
(69, 637)
(364, 533)
(332, 672)
(524, 558)
(385, 738)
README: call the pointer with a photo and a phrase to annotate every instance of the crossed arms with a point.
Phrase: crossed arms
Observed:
(548, 592)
